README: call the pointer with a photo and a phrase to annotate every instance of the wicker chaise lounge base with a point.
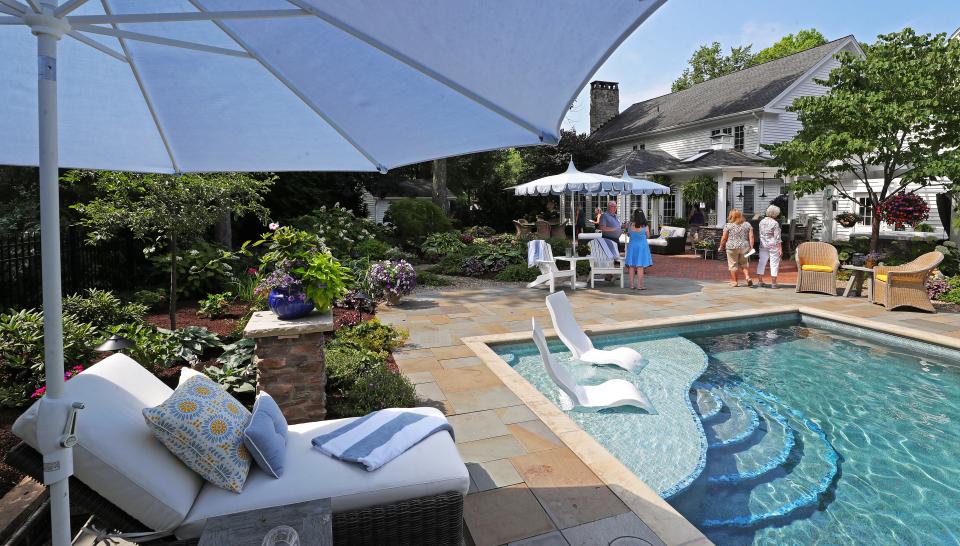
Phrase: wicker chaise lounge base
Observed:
(433, 520)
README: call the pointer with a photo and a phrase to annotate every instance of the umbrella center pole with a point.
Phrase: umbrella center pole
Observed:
(56, 418)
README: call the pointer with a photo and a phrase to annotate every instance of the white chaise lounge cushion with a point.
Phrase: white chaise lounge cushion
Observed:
(116, 454)
(429, 468)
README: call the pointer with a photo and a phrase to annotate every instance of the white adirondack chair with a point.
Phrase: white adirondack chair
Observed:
(609, 394)
(549, 272)
(572, 335)
(601, 265)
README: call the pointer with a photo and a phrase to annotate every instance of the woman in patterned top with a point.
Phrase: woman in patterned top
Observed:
(737, 239)
(771, 245)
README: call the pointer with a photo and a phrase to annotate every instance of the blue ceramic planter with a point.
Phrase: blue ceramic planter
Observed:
(285, 309)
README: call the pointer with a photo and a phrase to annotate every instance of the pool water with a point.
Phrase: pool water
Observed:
(789, 432)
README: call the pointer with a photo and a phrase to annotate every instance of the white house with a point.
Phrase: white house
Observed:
(378, 205)
(716, 128)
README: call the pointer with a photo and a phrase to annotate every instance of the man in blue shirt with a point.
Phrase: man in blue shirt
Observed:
(610, 226)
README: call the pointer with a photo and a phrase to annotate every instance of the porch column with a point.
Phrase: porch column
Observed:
(645, 205)
(721, 205)
(791, 204)
(827, 218)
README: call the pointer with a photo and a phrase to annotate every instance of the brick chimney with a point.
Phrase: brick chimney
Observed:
(604, 103)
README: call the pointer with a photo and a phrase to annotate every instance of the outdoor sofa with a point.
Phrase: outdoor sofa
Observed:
(131, 482)
(672, 240)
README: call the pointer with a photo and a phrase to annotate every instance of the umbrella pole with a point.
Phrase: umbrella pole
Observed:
(53, 415)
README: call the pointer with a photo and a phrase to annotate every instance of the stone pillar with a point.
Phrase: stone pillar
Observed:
(290, 362)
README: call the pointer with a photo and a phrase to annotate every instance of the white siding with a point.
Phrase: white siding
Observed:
(782, 125)
(812, 204)
(686, 142)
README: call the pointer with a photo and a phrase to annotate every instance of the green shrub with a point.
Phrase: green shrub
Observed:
(237, 372)
(518, 273)
(558, 245)
(441, 244)
(340, 229)
(153, 349)
(923, 228)
(21, 352)
(414, 219)
(451, 264)
(429, 278)
(204, 268)
(154, 300)
(373, 336)
(359, 382)
(102, 309)
(373, 249)
(214, 306)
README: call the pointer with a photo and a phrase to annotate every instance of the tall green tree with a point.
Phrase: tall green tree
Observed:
(788, 45)
(709, 62)
(167, 209)
(890, 120)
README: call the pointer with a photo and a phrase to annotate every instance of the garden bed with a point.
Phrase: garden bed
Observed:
(187, 316)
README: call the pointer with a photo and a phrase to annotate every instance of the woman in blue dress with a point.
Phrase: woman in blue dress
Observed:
(638, 251)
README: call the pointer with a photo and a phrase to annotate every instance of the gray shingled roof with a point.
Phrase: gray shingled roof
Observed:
(649, 161)
(740, 91)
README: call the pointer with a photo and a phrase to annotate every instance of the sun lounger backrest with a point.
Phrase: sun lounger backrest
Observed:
(557, 373)
(561, 312)
(116, 454)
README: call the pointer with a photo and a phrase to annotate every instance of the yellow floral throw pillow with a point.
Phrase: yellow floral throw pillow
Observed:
(203, 426)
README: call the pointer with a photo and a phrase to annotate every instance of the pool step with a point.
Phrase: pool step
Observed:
(707, 403)
(784, 465)
(740, 423)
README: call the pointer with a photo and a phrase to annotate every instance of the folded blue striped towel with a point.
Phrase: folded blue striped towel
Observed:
(376, 439)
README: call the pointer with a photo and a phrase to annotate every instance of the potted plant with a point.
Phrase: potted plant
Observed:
(848, 219)
(299, 273)
(705, 244)
(391, 280)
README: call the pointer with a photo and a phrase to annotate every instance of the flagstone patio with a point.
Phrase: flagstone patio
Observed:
(527, 485)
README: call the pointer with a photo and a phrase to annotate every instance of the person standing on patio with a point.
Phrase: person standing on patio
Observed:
(737, 240)
(609, 223)
(580, 222)
(771, 245)
(638, 251)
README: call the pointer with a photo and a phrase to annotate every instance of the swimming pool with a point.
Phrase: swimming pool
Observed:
(797, 431)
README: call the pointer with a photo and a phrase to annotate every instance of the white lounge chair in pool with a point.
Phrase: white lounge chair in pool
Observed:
(609, 394)
(570, 333)
(540, 253)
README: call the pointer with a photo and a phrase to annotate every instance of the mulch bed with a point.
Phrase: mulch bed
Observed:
(9, 476)
(187, 316)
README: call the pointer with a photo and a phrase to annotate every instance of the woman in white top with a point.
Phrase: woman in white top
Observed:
(771, 245)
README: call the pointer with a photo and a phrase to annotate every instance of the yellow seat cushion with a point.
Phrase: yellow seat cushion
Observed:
(821, 268)
(882, 277)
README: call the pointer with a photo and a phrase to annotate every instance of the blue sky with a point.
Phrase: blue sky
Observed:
(648, 62)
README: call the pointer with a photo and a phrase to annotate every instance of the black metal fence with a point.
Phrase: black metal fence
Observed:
(110, 265)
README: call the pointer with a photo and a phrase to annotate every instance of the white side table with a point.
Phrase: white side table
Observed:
(573, 266)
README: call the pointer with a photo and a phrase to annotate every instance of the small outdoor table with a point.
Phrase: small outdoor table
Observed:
(311, 522)
(855, 283)
(706, 252)
(573, 267)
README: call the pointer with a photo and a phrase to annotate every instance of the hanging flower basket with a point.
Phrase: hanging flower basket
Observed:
(391, 280)
(848, 219)
(903, 210)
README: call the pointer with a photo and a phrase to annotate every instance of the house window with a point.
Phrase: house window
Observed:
(639, 147)
(738, 138)
(865, 210)
(643, 146)
(723, 131)
(749, 201)
(634, 147)
(669, 208)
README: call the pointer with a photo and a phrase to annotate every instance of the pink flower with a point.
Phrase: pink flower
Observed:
(252, 271)
(38, 393)
(273, 226)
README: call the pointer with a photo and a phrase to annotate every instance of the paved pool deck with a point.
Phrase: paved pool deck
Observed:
(535, 480)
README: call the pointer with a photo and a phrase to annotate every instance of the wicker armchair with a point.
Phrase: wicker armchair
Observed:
(817, 265)
(905, 285)
(543, 229)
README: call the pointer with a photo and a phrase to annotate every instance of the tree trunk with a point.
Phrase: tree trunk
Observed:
(223, 231)
(173, 282)
(440, 184)
(875, 231)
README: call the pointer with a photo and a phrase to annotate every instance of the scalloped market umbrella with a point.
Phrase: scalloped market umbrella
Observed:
(274, 85)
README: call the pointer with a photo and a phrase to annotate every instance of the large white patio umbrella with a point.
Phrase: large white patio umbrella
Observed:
(573, 181)
(275, 85)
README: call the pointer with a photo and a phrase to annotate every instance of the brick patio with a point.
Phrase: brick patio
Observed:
(689, 266)
(527, 486)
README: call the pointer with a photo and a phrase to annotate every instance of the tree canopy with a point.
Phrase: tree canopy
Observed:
(890, 121)
(709, 61)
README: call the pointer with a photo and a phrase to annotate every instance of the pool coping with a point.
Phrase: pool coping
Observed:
(656, 513)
